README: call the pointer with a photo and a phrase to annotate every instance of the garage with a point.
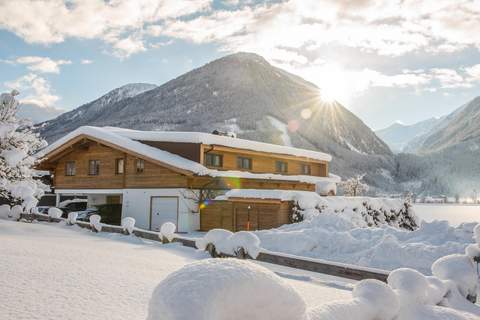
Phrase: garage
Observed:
(163, 209)
(245, 214)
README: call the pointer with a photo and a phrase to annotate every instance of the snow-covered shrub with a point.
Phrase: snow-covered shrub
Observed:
(214, 236)
(128, 224)
(245, 240)
(167, 230)
(18, 144)
(354, 186)
(218, 289)
(230, 243)
(55, 213)
(95, 222)
(459, 268)
(372, 299)
(16, 211)
(72, 218)
(4, 211)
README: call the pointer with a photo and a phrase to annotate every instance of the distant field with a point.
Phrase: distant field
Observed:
(453, 213)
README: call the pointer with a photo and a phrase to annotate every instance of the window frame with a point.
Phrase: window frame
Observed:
(117, 166)
(309, 171)
(96, 167)
(241, 161)
(68, 172)
(280, 165)
(139, 169)
(220, 157)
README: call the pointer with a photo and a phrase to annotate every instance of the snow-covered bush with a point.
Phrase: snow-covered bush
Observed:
(72, 218)
(214, 236)
(371, 299)
(55, 213)
(4, 211)
(167, 230)
(230, 243)
(16, 211)
(218, 289)
(18, 144)
(95, 222)
(128, 224)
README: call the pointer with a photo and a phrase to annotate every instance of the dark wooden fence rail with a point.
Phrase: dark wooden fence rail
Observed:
(314, 265)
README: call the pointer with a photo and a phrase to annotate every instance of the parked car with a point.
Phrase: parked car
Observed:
(41, 209)
(72, 205)
(84, 215)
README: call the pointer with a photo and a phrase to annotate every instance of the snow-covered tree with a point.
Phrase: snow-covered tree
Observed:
(18, 144)
(354, 186)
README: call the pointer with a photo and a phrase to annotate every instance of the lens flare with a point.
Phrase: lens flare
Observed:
(306, 113)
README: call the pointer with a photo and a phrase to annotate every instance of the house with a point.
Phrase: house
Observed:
(168, 176)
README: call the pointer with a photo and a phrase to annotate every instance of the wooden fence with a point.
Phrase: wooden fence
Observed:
(303, 263)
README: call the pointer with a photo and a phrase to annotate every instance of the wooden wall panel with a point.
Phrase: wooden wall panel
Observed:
(267, 163)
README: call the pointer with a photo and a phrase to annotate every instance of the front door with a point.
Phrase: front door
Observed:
(163, 209)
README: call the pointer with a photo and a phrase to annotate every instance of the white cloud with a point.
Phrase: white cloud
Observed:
(473, 72)
(34, 89)
(52, 21)
(41, 64)
(86, 61)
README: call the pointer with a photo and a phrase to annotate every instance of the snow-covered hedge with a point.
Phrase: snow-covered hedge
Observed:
(128, 224)
(95, 222)
(167, 230)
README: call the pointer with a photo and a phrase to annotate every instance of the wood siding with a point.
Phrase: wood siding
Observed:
(154, 176)
(187, 150)
(266, 163)
(234, 215)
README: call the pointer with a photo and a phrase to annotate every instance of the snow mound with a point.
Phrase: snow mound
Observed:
(72, 217)
(343, 237)
(4, 211)
(214, 236)
(218, 289)
(167, 230)
(55, 213)
(16, 211)
(95, 222)
(128, 224)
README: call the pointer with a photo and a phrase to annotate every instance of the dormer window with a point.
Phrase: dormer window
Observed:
(213, 160)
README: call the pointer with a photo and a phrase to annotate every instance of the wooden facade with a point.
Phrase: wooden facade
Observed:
(157, 175)
(245, 214)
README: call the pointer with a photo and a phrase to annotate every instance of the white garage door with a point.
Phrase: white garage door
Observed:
(164, 209)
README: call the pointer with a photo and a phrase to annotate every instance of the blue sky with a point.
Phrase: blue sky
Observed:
(384, 60)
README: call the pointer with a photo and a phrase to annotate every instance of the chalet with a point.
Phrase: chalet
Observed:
(170, 176)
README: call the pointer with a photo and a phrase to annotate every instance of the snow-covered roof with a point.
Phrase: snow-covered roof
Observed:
(112, 136)
(213, 139)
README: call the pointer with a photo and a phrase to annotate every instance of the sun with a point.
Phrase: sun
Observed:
(332, 80)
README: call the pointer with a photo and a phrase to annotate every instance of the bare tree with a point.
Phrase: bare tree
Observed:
(354, 186)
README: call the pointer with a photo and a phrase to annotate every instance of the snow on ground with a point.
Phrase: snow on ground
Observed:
(339, 237)
(51, 271)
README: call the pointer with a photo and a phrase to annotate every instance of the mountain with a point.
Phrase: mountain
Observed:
(89, 112)
(36, 113)
(398, 136)
(445, 159)
(244, 93)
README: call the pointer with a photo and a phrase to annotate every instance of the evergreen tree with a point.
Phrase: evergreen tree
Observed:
(18, 144)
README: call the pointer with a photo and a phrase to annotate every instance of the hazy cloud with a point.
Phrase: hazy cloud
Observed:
(34, 89)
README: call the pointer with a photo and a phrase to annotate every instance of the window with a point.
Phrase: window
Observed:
(70, 168)
(244, 163)
(119, 166)
(139, 166)
(281, 166)
(94, 167)
(213, 160)
(306, 169)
